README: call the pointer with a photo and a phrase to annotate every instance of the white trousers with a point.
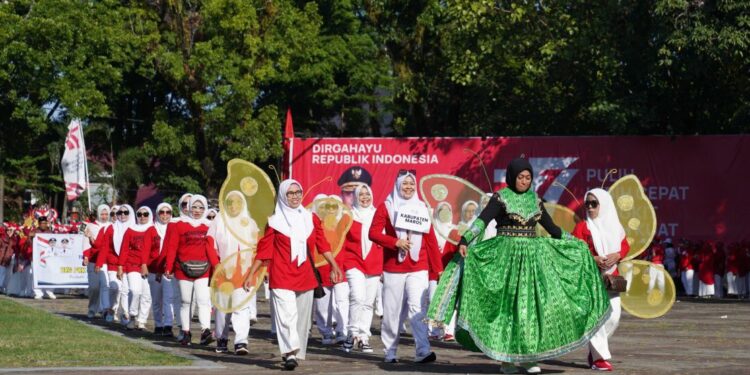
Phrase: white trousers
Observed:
(202, 299)
(687, 281)
(162, 294)
(140, 297)
(732, 283)
(253, 305)
(94, 289)
(362, 292)
(333, 307)
(400, 288)
(599, 344)
(118, 293)
(705, 289)
(379, 299)
(718, 287)
(292, 311)
(240, 323)
(655, 278)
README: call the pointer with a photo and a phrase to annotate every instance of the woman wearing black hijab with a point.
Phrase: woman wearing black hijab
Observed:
(519, 297)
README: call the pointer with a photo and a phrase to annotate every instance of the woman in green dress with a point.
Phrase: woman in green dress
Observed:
(519, 297)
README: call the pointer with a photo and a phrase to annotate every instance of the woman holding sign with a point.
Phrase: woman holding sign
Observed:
(401, 225)
(521, 298)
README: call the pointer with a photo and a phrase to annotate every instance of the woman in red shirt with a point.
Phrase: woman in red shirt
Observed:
(110, 245)
(134, 258)
(606, 239)
(191, 252)
(291, 234)
(363, 264)
(97, 281)
(407, 258)
(706, 270)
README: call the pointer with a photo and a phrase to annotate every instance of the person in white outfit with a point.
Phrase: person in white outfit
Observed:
(134, 259)
(162, 288)
(109, 254)
(234, 230)
(606, 238)
(97, 282)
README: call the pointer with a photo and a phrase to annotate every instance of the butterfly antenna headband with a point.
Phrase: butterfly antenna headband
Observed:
(325, 179)
(566, 189)
(610, 172)
(275, 172)
(482, 164)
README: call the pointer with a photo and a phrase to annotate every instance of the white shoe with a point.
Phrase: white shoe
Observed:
(130, 324)
(531, 368)
(140, 326)
(508, 368)
(50, 295)
(37, 297)
(115, 318)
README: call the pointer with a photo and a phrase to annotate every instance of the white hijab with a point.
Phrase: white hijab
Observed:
(243, 225)
(95, 227)
(443, 229)
(393, 203)
(463, 224)
(201, 220)
(363, 215)
(161, 228)
(606, 231)
(295, 223)
(182, 216)
(143, 227)
(120, 227)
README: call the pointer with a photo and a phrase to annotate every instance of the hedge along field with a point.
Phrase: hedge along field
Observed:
(34, 338)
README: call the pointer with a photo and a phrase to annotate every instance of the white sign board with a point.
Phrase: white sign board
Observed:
(413, 217)
(57, 261)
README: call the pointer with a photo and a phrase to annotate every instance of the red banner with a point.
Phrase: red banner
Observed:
(696, 183)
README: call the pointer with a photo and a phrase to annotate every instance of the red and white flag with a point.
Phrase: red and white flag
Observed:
(74, 161)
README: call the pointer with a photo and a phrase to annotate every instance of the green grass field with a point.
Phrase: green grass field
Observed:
(34, 338)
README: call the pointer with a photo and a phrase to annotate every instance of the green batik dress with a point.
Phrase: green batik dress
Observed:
(519, 297)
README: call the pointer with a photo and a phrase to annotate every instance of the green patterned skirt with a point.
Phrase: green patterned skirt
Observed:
(522, 299)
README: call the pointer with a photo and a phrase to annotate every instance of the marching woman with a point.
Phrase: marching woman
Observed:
(608, 244)
(233, 231)
(363, 264)
(110, 245)
(97, 280)
(190, 259)
(285, 248)
(162, 290)
(134, 259)
(407, 259)
(706, 270)
(170, 242)
(521, 298)
(687, 254)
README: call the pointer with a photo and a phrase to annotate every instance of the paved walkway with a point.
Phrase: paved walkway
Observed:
(695, 337)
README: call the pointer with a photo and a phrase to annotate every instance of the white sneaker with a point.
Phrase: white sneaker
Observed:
(37, 297)
(50, 295)
(531, 368)
(130, 324)
(115, 318)
(140, 326)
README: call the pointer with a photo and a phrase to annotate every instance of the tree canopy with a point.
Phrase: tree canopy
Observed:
(169, 90)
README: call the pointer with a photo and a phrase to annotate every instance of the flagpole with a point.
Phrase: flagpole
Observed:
(85, 166)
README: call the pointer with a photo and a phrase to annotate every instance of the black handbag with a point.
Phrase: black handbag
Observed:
(194, 268)
(318, 292)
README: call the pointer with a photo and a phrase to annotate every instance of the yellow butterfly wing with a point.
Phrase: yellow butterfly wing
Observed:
(336, 219)
(451, 192)
(650, 292)
(636, 213)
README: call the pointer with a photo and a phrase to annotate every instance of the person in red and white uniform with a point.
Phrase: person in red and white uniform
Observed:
(363, 264)
(706, 270)
(191, 246)
(170, 242)
(233, 231)
(408, 257)
(162, 289)
(134, 259)
(110, 245)
(334, 306)
(687, 272)
(291, 234)
(606, 239)
(97, 281)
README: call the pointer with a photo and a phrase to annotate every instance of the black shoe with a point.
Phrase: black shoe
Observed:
(429, 358)
(186, 338)
(166, 331)
(241, 349)
(159, 331)
(206, 337)
(290, 364)
(221, 345)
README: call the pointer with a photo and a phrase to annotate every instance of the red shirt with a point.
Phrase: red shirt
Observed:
(373, 264)
(429, 255)
(156, 257)
(657, 254)
(106, 253)
(276, 248)
(686, 258)
(733, 258)
(190, 243)
(706, 266)
(135, 250)
(582, 232)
